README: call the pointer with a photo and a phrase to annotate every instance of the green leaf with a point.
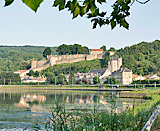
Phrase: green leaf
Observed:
(100, 1)
(33, 4)
(8, 2)
(128, 1)
(113, 24)
(86, 2)
(61, 4)
(124, 23)
(95, 22)
(101, 22)
(107, 21)
(102, 14)
(93, 8)
(76, 12)
(84, 10)
(72, 5)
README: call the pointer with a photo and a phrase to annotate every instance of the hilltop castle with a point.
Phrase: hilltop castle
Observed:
(56, 59)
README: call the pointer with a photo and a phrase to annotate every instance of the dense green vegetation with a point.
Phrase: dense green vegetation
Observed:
(47, 51)
(72, 49)
(111, 81)
(18, 57)
(70, 68)
(143, 58)
(9, 78)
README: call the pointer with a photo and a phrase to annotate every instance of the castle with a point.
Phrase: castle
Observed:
(56, 59)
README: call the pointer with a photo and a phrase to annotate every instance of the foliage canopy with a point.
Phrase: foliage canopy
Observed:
(72, 49)
(47, 51)
(120, 10)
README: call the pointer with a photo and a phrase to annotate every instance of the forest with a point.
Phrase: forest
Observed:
(143, 58)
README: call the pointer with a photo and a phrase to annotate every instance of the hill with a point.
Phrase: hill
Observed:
(18, 57)
(143, 58)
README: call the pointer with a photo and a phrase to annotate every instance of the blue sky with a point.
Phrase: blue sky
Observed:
(19, 25)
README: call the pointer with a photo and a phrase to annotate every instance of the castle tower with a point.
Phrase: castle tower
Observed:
(33, 64)
(119, 62)
(114, 63)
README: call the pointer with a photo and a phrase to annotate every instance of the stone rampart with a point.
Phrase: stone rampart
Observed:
(55, 59)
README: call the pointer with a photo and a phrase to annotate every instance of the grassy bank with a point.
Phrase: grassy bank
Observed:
(48, 87)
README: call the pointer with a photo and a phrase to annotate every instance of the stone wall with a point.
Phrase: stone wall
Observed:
(55, 59)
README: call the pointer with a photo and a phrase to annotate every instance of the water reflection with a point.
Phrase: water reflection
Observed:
(17, 107)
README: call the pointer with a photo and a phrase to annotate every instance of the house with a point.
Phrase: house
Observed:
(21, 73)
(96, 51)
(124, 75)
(100, 72)
(85, 76)
(153, 77)
(138, 77)
(28, 79)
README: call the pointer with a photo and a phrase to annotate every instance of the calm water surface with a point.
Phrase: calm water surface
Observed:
(21, 110)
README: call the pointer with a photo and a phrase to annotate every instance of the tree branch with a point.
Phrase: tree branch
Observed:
(132, 2)
(142, 2)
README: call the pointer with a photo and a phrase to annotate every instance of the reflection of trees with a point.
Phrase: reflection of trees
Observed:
(9, 98)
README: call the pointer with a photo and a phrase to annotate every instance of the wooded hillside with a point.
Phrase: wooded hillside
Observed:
(18, 57)
(143, 58)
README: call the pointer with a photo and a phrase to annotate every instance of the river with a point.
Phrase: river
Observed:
(23, 109)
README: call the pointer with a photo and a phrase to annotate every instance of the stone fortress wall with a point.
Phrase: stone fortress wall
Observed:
(55, 59)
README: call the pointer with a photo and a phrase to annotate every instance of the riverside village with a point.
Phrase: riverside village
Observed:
(123, 75)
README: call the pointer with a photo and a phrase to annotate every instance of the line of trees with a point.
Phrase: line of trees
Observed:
(72, 49)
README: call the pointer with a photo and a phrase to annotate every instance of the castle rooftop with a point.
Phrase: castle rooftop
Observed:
(96, 49)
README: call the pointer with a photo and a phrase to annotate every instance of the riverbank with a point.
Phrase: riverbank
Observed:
(133, 118)
(78, 88)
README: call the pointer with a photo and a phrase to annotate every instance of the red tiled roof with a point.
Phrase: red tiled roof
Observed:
(21, 71)
(96, 49)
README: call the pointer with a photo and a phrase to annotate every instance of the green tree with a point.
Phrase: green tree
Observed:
(112, 49)
(61, 79)
(72, 49)
(25, 65)
(103, 47)
(36, 74)
(96, 80)
(121, 10)
(47, 51)
(111, 80)
(50, 77)
(31, 73)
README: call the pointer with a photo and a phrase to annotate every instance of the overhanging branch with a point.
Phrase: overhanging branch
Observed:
(142, 2)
